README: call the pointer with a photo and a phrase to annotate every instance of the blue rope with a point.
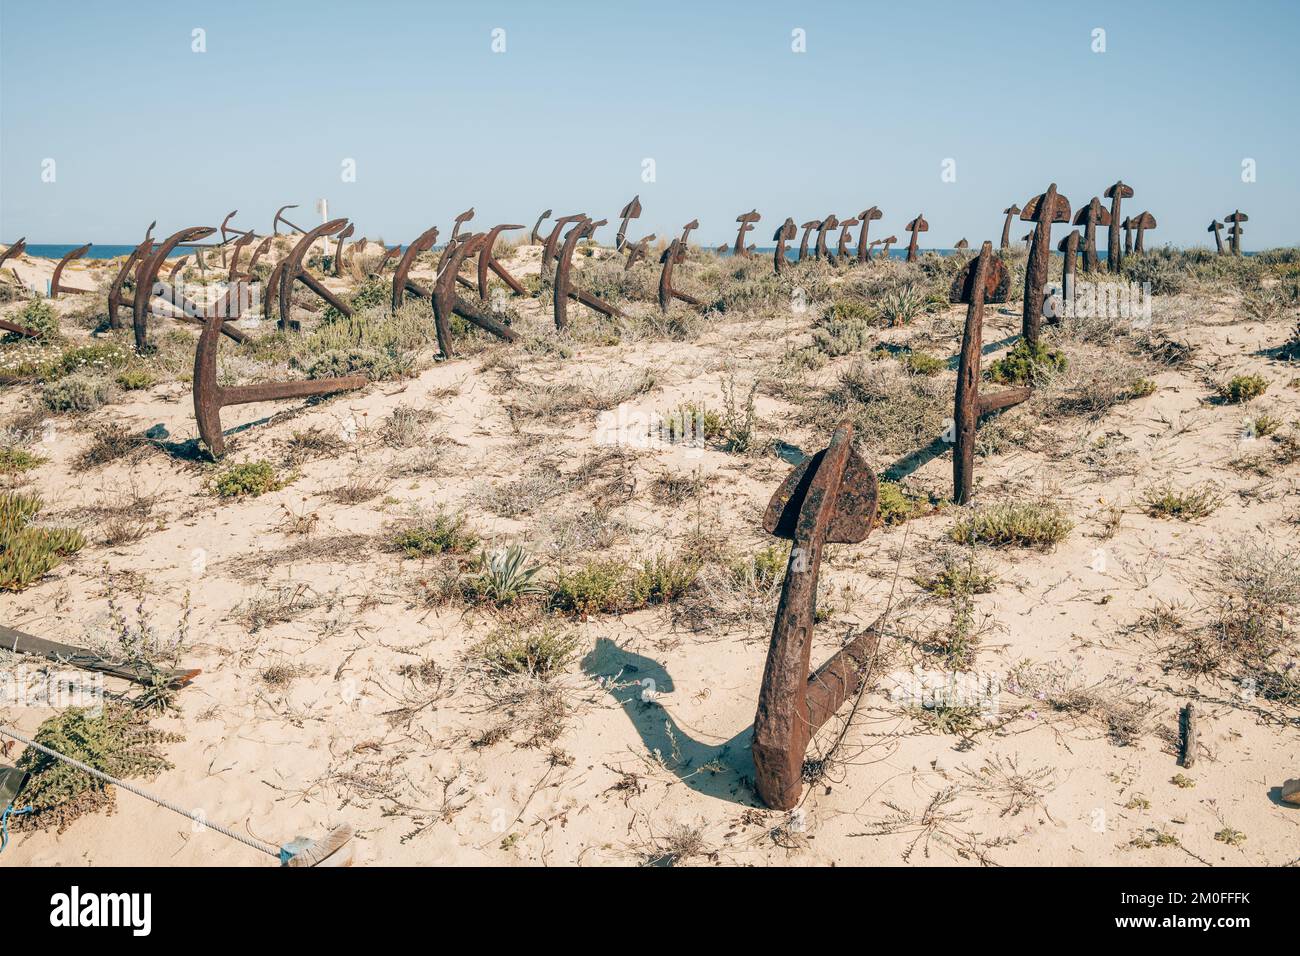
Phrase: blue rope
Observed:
(4, 823)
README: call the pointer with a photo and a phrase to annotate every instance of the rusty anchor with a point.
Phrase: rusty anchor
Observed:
(831, 497)
(235, 251)
(564, 289)
(1116, 194)
(15, 249)
(686, 238)
(671, 257)
(842, 247)
(402, 282)
(336, 263)
(887, 242)
(292, 269)
(984, 280)
(279, 218)
(807, 228)
(1042, 210)
(210, 397)
(446, 302)
(146, 281)
(827, 224)
(553, 240)
(746, 221)
(1142, 222)
(1069, 249)
(388, 256)
(134, 259)
(962, 245)
(866, 217)
(636, 251)
(258, 252)
(784, 233)
(76, 253)
(1011, 212)
(532, 237)
(1128, 235)
(488, 260)
(177, 266)
(631, 211)
(227, 231)
(1216, 227)
(16, 329)
(915, 227)
(1235, 232)
(1090, 217)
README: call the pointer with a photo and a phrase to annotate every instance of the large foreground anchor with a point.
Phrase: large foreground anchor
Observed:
(984, 280)
(564, 289)
(76, 253)
(210, 397)
(831, 497)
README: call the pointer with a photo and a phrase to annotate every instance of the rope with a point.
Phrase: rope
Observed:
(160, 801)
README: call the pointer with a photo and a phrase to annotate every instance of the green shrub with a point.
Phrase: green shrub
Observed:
(1185, 504)
(894, 505)
(95, 358)
(536, 653)
(1242, 388)
(443, 534)
(923, 363)
(598, 587)
(661, 580)
(763, 569)
(114, 739)
(247, 479)
(39, 316)
(1015, 524)
(693, 421)
(1026, 366)
(374, 364)
(15, 460)
(76, 393)
(28, 553)
(133, 379)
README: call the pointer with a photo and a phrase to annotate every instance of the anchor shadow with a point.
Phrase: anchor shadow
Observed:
(724, 771)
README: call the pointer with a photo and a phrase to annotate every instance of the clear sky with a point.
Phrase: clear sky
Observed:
(142, 127)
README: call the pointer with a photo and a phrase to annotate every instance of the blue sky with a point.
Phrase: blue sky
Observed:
(141, 127)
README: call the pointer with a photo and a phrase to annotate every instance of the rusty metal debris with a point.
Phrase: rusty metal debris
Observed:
(1142, 222)
(487, 260)
(292, 269)
(1216, 227)
(631, 211)
(887, 241)
(243, 240)
(686, 238)
(915, 227)
(1069, 248)
(671, 256)
(636, 250)
(784, 233)
(1090, 217)
(1042, 210)
(866, 217)
(746, 221)
(1011, 212)
(76, 253)
(532, 237)
(1128, 235)
(210, 397)
(831, 497)
(1116, 194)
(984, 280)
(962, 245)
(563, 286)
(1235, 231)
(827, 224)
(807, 228)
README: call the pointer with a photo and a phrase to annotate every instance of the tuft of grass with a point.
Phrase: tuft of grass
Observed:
(1241, 388)
(247, 479)
(902, 304)
(1014, 524)
(14, 461)
(28, 553)
(134, 379)
(441, 534)
(539, 652)
(504, 577)
(922, 363)
(78, 392)
(1186, 504)
(597, 587)
(111, 442)
(1026, 366)
(895, 506)
(959, 573)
